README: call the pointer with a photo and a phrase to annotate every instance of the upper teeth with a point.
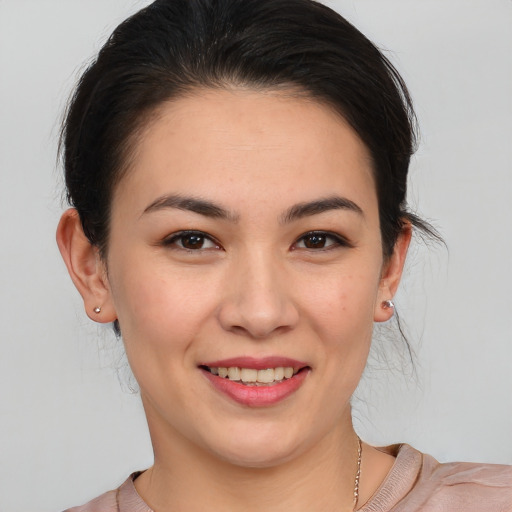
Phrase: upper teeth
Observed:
(250, 375)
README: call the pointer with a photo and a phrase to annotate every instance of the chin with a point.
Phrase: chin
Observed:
(257, 457)
(264, 448)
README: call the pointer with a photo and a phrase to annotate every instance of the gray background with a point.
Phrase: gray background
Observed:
(70, 430)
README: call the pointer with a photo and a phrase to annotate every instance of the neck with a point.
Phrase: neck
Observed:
(320, 478)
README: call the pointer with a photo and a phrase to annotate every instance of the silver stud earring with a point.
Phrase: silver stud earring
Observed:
(97, 309)
(388, 304)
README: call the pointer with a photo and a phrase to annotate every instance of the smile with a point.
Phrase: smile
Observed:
(256, 382)
(252, 376)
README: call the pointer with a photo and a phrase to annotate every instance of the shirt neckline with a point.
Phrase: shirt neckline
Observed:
(398, 482)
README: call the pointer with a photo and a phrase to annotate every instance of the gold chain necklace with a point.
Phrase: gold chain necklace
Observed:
(358, 472)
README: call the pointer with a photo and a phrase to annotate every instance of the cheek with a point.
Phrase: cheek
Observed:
(341, 315)
(344, 301)
(159, 311)
(160, 316)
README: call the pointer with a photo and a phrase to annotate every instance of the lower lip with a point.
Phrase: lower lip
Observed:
(257, 396)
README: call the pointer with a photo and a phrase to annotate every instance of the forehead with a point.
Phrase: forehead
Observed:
(249, 146)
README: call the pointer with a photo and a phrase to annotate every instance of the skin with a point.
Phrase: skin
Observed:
(254, 288)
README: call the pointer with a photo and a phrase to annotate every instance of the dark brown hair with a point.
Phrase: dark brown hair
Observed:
(174, 46)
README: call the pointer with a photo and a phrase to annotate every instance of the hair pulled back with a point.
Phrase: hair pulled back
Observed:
(173, 47)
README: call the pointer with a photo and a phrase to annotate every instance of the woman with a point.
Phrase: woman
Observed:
(237, 171)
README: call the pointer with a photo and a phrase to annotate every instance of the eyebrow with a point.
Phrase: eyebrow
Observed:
(212, 210)
(308, 209)
(191, 204)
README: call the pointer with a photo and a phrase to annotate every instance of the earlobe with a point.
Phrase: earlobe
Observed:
(391, 275)
(85, 268)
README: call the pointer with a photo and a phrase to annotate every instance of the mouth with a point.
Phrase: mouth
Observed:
(256, 382)
(253, 376)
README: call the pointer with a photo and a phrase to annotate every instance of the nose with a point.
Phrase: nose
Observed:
(257, 300)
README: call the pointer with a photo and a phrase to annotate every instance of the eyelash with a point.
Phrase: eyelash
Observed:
(174, 238)
(336, 241)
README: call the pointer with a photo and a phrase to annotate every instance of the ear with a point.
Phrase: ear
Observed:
(87, 270)
(392, 273)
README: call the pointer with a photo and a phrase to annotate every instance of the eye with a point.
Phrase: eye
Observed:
(320, 240)
(191, 241)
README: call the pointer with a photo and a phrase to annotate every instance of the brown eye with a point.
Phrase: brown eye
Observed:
(315, 241)
(321, 240)
(191, 241)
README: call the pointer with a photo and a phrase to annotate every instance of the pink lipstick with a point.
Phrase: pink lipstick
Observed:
(256, 382)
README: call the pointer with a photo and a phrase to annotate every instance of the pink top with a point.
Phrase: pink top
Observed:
(416, 482)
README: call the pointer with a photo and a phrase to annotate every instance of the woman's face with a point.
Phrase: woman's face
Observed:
(246, 236)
